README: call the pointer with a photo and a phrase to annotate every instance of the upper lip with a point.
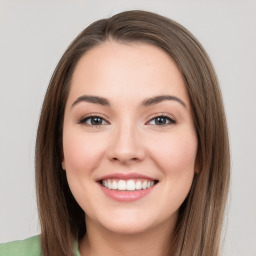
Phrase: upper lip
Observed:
(125, 176)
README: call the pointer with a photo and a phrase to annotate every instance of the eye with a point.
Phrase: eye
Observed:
(93, 121)
(161, 120)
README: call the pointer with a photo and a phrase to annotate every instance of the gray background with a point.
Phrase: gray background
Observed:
(33, 36)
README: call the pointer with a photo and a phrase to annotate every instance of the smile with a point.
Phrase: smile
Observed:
(128, 185)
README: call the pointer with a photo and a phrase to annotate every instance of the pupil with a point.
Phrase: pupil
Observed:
(96, 120)
(161, 120)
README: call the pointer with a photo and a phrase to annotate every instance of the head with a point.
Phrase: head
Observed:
(198, 224)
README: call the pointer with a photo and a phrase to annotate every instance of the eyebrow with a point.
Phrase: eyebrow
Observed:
(147, 102)
(158, 99)
(91, 99)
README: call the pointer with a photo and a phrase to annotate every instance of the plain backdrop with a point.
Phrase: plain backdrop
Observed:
(33, 36)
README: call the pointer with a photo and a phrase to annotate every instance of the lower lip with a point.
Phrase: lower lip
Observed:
(126, 196)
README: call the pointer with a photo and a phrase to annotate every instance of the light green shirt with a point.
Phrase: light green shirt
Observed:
(27, 247)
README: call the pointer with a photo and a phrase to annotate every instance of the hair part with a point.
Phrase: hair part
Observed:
(200, 218)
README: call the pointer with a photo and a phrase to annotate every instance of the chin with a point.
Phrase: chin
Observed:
(133, 223)
(127, 228)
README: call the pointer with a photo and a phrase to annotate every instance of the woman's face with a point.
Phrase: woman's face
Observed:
(129, 140)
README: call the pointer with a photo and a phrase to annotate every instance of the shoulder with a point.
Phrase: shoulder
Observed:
(27, 247)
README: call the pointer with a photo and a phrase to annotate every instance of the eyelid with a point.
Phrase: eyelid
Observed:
(171, 119)
(86, 117)
(165, 115)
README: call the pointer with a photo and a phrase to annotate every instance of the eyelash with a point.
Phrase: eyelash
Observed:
(167, 118)
(90, 117)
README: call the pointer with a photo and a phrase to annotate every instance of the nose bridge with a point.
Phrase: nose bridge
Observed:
(126, 143)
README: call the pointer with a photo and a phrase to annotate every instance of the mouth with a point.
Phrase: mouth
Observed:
(127, 184)
(127, 187)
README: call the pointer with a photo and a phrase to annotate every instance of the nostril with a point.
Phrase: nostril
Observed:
(124, 159)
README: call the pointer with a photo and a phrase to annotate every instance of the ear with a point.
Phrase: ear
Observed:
(63, 164)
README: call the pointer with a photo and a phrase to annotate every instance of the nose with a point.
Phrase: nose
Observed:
(126, 145)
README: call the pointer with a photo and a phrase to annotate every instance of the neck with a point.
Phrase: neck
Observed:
(99, 241)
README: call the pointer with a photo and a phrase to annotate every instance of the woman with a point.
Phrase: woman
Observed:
(132, 153)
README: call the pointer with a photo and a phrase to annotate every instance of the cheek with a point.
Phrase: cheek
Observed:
(81, 153)
(81, 158)
(176, 154)
(177, 162)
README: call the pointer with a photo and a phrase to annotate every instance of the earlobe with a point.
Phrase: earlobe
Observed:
(63, 165)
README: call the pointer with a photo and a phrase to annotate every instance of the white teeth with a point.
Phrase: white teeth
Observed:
(129, 185)
(138, 185)
(144, 184)
(109, 184)
(121, 185)
(114, 185)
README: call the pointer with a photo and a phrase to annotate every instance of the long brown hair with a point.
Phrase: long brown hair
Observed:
(200, 218)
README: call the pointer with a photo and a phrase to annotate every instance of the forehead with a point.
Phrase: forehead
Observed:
(131, 70)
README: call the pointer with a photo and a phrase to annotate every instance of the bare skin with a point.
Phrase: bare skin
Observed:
(152, 243)
(128, 114)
